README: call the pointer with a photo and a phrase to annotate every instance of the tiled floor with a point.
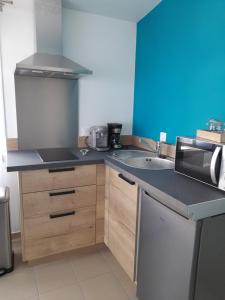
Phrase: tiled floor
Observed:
(93, 275)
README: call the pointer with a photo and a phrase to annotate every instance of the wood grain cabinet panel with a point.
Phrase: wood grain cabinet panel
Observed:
(40, 203)
(129, 189)
(39, 248)
(100, 174)
(59, 223)
(99, 231)
(106, 218)
(59, 210)
(100, 206)
(124, 208)
(121, 204)
(121, 242)
(45, 180)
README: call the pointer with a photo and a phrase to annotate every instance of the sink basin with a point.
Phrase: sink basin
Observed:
(126, 154)
(142, 160)
(151, 163)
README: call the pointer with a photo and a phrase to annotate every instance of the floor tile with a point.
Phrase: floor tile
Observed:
(89, 266)
(18, 286)
(54, 275)
(110, 260)
(103, 287)
(127, 284)
(125, 281)
(72, 292)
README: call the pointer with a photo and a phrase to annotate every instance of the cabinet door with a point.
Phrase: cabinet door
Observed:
(122, 219)
(121, 242)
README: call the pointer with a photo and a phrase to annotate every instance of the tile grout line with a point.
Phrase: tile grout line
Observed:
(78, 283)
(114, 274)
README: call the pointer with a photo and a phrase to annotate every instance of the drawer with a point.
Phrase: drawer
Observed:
(41, 203)
(45, 180)
(124, 184)
(124, 208)
(121, 242)
(54, 224)
(82, 237)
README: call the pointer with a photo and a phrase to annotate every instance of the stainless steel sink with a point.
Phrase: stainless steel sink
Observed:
(151, 163)
(125, 154)
(142, 160)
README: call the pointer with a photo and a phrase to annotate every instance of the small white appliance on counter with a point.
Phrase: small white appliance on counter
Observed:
(98, 138)
(201, 160)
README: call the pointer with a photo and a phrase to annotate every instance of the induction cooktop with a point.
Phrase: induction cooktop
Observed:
(56, 154)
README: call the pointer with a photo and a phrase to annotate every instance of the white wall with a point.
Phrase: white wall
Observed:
(18, 41)
(107, 47)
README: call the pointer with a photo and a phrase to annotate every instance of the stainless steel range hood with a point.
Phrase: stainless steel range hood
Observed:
(50, 65)
(49, 61)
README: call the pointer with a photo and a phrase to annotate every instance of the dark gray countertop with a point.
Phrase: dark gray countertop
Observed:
(190, 198)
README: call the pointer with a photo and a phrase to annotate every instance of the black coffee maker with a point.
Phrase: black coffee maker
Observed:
(114, 132)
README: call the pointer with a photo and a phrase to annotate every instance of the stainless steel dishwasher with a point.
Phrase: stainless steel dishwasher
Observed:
(179, 259)
(6, 254)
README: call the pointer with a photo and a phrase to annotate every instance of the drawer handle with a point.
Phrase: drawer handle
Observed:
(61, 193)
(61, 170)
(126, 179)
(61, 215)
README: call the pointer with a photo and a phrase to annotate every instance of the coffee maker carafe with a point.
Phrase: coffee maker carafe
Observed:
(114, 132)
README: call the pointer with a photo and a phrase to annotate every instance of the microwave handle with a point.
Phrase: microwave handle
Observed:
(213, 164)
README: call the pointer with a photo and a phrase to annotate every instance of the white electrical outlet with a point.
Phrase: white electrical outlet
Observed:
(84, 131)
(163, 136)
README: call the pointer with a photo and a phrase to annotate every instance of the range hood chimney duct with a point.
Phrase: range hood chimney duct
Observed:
(49, 61)
(48, 17)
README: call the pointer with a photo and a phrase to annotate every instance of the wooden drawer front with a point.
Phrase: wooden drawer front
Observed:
(129, 189)
(45, 180)
(121, 242)
(123, 208)
(50, 225)
(41, 203)
(83, 237)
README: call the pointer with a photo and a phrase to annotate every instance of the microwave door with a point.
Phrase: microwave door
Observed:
(199, 160)
(214, 166)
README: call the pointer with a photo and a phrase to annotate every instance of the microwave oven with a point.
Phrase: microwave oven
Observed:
(201, 160)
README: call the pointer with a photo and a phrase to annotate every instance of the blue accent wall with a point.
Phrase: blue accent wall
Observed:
(180, 68)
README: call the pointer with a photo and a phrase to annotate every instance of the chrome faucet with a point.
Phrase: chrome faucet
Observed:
(157, 148)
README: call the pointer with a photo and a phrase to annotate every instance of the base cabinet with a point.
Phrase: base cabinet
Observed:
(61, 209)
(121, 199)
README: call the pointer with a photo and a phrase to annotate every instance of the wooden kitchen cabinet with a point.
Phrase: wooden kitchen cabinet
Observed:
(100, 205)
(45, 180)
(61, 209)
(121, 204)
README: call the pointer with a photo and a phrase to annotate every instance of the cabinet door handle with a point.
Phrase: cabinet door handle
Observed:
(61, 170)
(62, 193)
(126, 179)
(61, 215)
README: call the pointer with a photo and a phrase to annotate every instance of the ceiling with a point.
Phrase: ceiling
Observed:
(130, 10)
